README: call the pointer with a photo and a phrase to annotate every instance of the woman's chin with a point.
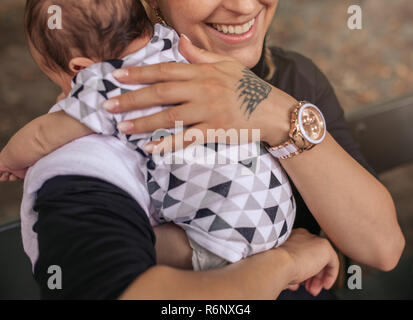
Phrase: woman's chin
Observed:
(247, 58)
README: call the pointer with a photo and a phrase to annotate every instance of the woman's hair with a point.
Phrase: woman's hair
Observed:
(96, 29)
(269, 63)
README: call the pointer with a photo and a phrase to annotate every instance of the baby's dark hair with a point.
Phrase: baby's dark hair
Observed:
(100, 29)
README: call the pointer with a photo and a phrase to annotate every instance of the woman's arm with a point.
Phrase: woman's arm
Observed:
(103, 242)
(351, 206)
(262, 276)
(39, 138)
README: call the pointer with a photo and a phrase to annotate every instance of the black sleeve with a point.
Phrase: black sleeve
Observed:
(96, 233)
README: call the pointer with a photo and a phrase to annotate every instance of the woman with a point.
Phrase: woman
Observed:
(333, 185)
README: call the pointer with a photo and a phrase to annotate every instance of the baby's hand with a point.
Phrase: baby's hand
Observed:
(60, 97)
(11, 175)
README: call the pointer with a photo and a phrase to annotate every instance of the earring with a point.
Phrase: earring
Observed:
(159, 17)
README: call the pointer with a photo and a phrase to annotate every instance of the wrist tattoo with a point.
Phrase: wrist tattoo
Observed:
(252, 90)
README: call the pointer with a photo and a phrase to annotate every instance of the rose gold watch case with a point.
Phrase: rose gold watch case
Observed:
(304, 118)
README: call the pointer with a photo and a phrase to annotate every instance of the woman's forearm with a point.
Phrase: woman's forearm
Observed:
(352, 207)
(172, 247)
(262, 276)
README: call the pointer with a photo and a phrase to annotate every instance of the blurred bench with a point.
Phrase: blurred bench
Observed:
(385, 135)
(16, 280)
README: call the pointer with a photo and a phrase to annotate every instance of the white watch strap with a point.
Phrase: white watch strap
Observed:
(284, 151)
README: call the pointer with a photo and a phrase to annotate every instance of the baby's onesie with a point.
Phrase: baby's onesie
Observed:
(232, 200)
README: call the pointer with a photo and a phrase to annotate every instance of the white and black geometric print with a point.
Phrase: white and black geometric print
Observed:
(230, 213)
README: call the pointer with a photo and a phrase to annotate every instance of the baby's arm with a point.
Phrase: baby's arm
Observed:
(39, 138)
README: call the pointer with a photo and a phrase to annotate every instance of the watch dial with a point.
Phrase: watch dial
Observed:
(313, 124)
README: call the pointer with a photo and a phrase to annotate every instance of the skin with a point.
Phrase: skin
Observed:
(206, 97)
(210, 86)
(35, 137)
(303, 258)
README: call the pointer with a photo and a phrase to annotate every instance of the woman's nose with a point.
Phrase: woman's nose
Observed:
(241, 7)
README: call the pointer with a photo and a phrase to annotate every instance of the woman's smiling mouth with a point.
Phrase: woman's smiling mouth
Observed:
(235, 33)
(234, 29)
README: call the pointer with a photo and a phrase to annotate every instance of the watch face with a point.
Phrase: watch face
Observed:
(312, 123)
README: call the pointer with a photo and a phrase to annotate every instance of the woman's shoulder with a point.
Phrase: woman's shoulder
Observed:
(288, 58)
(297, 74)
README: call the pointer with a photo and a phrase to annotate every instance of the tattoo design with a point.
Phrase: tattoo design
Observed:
(252, 90)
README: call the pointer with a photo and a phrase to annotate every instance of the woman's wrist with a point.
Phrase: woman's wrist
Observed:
(281, 258)
(278, 124)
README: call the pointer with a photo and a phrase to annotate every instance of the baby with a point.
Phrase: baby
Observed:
(226, 214)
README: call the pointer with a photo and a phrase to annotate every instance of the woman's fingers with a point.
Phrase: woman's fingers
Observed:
(154, 95)
(294, 287)
(172, 117)
(331, 273)
(196, 55)
(307, 284)
(195, 134)
(161, 72)
(316, 284)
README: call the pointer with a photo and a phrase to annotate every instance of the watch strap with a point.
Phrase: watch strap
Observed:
(285, 150)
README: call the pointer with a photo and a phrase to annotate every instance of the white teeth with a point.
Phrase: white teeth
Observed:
(234, 29)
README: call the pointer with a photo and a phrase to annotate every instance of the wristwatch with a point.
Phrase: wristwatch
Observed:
(308, 128)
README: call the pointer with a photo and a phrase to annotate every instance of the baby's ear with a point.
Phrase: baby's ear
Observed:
(79, 63)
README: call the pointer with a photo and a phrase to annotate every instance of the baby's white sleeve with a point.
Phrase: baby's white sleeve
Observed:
(84, 103)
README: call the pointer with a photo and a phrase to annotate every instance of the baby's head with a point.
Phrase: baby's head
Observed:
(92, 31)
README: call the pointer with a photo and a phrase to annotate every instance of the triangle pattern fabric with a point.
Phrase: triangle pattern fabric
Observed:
(174, 182)
(227, 196)
(247, 233)
(272, 213)
(219, 224)
(274, 183)
(222, 189)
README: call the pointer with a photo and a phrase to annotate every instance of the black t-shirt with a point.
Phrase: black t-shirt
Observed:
(100, 236)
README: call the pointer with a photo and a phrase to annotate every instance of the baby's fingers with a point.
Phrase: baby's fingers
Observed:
(13, 178)
(4, 176)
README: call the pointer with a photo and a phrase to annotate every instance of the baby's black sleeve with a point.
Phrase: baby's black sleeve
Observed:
(96, 233)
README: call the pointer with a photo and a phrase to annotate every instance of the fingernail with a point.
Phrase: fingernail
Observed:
(110, 104)
(125, 126)
(186, 37)
(149, 148)
(120, 73)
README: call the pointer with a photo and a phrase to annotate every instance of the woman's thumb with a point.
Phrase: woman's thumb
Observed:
(196, 55)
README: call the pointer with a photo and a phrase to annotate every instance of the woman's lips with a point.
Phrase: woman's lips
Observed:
(234, 34)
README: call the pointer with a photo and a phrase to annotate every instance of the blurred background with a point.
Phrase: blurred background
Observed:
(366, 67)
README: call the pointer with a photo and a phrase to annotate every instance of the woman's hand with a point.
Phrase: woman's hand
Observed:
(313, 259)
(315, 262)
(214, 92)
